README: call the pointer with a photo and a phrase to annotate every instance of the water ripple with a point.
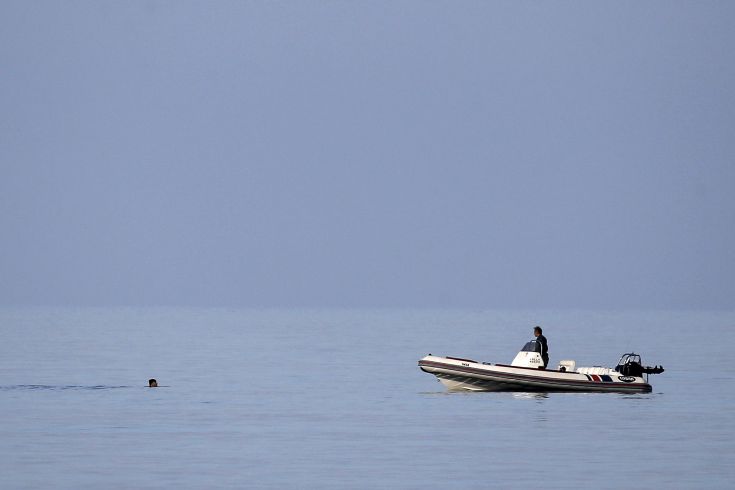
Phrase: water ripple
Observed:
(59, 387)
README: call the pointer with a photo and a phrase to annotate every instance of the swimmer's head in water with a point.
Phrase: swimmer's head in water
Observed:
(152, 383)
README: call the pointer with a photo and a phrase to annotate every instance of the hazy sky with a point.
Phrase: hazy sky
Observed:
(400, 153)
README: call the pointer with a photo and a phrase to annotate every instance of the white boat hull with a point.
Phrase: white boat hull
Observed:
(465, 374)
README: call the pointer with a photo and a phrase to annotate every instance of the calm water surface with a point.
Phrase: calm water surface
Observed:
(334, 399)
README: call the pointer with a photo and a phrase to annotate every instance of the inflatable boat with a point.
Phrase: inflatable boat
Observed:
(527, 373)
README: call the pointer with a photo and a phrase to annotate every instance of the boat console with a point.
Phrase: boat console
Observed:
(529, 356)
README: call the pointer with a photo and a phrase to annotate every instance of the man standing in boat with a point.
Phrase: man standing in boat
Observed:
(544, 345)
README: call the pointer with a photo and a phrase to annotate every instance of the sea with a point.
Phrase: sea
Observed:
(333, 399)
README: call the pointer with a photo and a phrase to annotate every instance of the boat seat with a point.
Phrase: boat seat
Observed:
(567, 365)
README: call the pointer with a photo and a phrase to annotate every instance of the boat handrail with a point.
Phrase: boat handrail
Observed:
(460, 359)
(531, 368)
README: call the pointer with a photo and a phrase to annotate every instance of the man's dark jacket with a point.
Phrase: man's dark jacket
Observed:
(544, 349)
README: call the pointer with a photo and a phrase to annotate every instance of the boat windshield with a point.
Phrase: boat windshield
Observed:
(531, 346)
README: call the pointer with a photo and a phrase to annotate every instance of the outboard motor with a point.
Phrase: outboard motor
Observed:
(529, 356)
(630, 365)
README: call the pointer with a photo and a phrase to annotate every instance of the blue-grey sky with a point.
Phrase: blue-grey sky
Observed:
(384, 153)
